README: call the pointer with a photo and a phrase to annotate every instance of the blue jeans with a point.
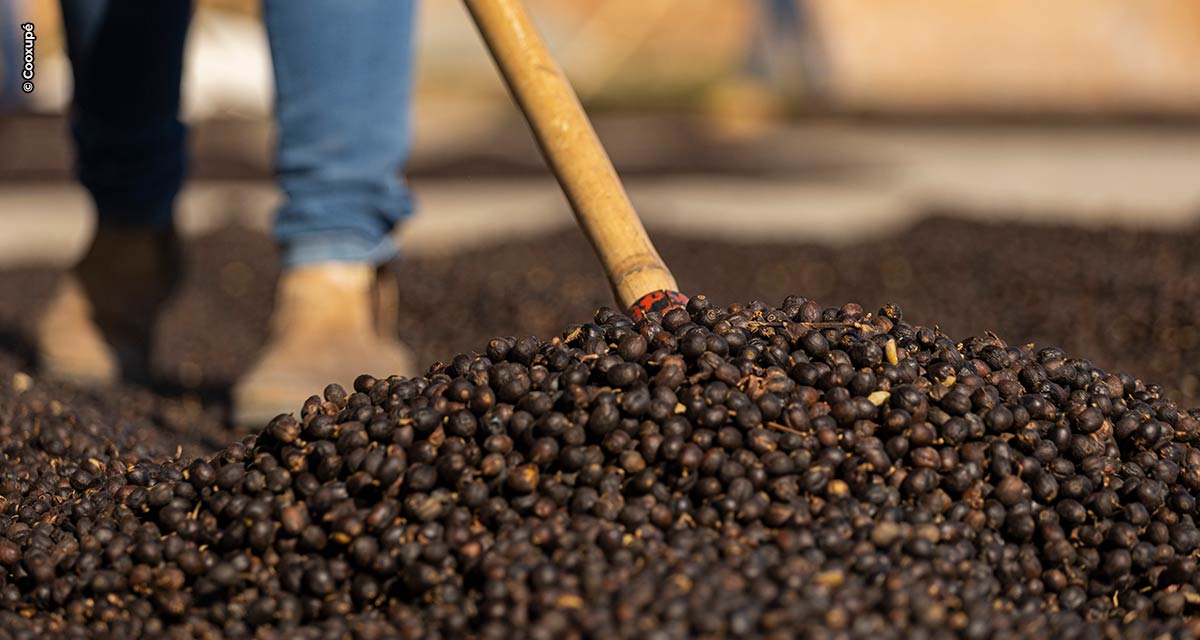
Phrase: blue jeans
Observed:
(343, 76)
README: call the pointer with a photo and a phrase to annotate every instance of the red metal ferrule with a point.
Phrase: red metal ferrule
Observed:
(661, 301)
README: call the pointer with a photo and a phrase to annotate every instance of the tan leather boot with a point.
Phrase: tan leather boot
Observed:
(97, 327)
(325, 328)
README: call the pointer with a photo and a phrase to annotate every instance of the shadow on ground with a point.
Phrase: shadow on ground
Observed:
(1125, 300)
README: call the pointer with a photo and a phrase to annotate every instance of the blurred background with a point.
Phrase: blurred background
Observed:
(1023, 167)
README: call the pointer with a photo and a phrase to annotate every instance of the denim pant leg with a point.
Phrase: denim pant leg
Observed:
(127, 62)
(343, 74)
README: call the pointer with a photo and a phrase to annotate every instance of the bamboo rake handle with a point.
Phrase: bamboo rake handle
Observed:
(573, 151)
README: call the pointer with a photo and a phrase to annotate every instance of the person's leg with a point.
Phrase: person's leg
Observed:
(343, 83)
(343, 77)
(127, 61)
(786, 52)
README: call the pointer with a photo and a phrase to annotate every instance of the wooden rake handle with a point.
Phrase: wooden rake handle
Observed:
(639, 278)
